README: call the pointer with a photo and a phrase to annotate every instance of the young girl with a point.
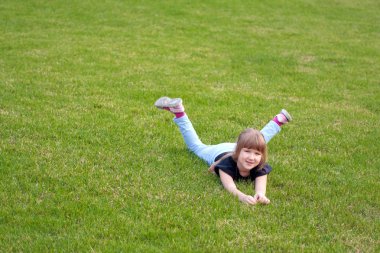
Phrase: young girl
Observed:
(243, 160)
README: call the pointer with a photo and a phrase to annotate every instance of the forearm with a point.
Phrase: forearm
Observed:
(230, 186)
(260, 189)
(234, 190)
(261, 185)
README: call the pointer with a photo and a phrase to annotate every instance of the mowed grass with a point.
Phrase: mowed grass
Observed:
(88, 164)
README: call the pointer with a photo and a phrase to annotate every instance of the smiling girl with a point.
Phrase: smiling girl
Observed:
(243, 160)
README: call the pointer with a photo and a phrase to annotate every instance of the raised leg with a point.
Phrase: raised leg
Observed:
(274, 126)
(195, 145)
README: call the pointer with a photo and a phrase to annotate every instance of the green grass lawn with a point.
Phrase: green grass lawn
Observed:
(87, 164)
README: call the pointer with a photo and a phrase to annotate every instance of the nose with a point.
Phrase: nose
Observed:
(253, 157)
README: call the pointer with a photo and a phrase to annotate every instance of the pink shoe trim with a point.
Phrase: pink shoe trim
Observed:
(177, 109)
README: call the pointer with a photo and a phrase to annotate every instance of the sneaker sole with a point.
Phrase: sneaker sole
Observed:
(287, 115)
(172, 103)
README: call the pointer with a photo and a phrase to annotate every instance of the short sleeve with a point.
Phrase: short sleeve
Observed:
(261, 172)
(227, 167)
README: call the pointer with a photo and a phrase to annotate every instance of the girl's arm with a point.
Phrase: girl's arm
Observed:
(230, 186)
(260, 189)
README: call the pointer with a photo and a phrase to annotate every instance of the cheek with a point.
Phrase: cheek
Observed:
(242, 156)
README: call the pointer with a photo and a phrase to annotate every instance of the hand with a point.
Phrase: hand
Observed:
(260, 198)
(212, 169)
(248, 199)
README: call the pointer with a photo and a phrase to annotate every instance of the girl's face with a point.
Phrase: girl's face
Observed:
(248, 159)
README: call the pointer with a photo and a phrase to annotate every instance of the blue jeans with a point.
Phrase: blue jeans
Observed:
(208, 153)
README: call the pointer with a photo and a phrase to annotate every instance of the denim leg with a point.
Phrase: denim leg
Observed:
(195, 145)
(189, 135)
(208, 153)
(214, 150)
(270, 130)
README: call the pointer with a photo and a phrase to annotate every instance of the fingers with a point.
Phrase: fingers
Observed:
(250, 200)
(260, 198)
(265, 201)
(257, 199)
(212, 169)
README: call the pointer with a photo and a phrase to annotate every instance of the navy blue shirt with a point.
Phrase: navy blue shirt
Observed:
(229, 166)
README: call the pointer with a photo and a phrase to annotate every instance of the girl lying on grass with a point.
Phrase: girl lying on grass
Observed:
(243, 160)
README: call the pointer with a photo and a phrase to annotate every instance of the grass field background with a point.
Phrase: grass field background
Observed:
(87, 164)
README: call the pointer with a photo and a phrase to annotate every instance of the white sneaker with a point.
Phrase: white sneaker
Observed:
(173, 105)
(284, 117)
(287, 115)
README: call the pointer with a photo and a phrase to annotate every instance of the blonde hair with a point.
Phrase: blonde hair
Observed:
(252, 139)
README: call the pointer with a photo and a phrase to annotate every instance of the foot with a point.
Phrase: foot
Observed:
(173, 105)
(283, 117)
